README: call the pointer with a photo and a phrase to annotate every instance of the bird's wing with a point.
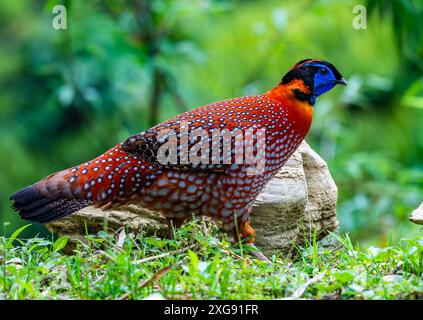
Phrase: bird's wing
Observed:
(209, 118)
(146, 145)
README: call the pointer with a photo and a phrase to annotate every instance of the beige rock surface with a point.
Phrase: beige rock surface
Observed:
(301, 198)
(417, 215)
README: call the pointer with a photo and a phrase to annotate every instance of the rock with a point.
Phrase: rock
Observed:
(91, 220)
(417, 215)
(298, 201)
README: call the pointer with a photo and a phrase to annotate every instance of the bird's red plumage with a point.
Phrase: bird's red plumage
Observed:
(131, 172)
(119, 177)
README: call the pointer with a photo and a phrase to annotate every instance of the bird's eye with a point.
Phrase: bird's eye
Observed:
(323, 71)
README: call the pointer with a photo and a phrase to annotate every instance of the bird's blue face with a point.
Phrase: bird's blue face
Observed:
(318, 75)
(324, 79)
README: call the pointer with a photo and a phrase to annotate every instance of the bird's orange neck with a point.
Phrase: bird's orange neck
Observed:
(288, 90)
(301, 109)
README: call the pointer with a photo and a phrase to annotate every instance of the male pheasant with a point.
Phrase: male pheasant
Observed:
(132, 171)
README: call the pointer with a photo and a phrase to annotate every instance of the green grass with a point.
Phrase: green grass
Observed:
(200, 263)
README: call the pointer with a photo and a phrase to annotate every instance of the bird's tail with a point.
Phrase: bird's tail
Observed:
(34, 205)
(112, 177)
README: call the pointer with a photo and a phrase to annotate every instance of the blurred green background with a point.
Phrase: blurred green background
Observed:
(122, 66)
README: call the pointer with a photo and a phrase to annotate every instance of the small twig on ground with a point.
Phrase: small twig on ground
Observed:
(99, 279)
(153, 279)
(300, 290)
(105, 254)
(136, 244)
(164, 255)
(121, 238)
(230, 252)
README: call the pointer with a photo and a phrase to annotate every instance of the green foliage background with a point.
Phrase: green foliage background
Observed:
(121, 66)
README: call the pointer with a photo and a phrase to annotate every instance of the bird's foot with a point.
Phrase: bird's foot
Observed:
(257, 253)
(247, 233)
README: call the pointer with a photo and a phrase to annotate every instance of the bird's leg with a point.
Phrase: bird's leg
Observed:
(245, 231)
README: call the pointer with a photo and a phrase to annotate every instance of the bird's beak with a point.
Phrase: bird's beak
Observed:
(342, 82)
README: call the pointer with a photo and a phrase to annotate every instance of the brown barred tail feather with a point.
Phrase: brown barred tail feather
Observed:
(34, 206)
